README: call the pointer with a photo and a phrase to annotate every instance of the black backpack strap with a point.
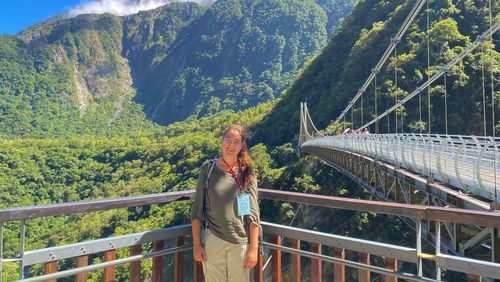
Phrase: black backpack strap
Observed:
(206, 200)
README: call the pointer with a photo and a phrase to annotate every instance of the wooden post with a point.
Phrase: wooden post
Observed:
(364, 275)
(391, 264)
(338, 269)
(157, 262)
(473, 278)
(276, 260)
(258, 271)
(109, 272)
(198, 272)
(135, 267)
(295, 261)
(80, 262)
(50, 267)
(316, 264)
(179, 261)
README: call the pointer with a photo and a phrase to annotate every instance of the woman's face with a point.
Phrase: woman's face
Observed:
(232, 143)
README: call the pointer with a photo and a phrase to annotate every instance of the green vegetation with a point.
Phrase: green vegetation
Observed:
(70, 82)
(104, 75)
(236, 54)
(334, 77)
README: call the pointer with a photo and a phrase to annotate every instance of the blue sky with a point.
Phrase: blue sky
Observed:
(16, 15)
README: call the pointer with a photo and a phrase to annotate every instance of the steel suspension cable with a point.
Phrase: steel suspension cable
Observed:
(494, 28)
(362, 121)
(483, 89)
(493, 103)
(428, 69)
(376, 107)
(402, 30)
(445, 106)
(396, 81)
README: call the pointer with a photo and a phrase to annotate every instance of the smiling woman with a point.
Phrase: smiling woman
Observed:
(226, 199)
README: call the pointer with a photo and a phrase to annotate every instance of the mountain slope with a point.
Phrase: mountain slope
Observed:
(334, 77)
(237, 54)
(102, 74)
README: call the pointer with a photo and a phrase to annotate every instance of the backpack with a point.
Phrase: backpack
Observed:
(210, 168)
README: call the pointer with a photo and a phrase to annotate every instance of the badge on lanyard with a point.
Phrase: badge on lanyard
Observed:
(243, 204)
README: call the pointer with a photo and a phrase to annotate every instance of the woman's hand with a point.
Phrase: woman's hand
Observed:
(250, 259)
(199, 253)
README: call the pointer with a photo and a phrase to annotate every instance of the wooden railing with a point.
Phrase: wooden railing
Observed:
(339, 244)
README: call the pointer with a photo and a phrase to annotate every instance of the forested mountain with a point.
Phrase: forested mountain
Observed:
(334, 77)
(102, 74)
(95, 75)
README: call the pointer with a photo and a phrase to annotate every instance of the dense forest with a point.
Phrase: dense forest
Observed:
(104, 74)
(77, 83)
(334, 77)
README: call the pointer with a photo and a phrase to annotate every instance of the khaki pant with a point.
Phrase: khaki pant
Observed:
(224, 260)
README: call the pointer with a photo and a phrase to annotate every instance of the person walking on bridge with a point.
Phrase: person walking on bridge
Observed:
(226, 202)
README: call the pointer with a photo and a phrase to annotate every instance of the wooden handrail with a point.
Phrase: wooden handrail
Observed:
(443, 214)
(30, 212)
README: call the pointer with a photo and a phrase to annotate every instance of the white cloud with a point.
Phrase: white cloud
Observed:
(124, 7)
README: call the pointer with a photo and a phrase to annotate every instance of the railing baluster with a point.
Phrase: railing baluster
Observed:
(258, 271)
(80, 262)
(364, 275)
(1, 251)
(338, 269)
(295, 261)
(157, 262)
(109, 272)
(418, 231)
(22, 233)
(198, 272)
(316, 264)
(276, 260)
(438, 249)
(135, 267)
(391, 264)
(50, 267)
(179, 261)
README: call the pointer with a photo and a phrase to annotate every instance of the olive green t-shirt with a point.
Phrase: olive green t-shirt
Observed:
(222, 210)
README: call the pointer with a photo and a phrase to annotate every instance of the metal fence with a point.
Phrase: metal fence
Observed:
(341, 244)
(470, 163)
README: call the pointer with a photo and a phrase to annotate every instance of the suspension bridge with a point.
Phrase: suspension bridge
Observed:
(444, 186)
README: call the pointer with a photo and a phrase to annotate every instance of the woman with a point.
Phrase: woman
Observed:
(226, 197)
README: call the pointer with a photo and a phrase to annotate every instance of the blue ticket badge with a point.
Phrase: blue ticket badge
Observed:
(243, 204)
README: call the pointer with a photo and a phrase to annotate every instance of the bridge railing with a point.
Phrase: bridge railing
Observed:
(471, 163)
(340, 244)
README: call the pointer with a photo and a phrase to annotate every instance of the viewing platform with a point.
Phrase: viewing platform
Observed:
(309, 251)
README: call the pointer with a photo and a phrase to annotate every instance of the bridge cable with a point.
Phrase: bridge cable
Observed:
(445, 105)
(493, 104)
(494, 28)
(428, 69)
(376, 110)
(396, 81)
(483, 89)
(362, 121)
(402, 30)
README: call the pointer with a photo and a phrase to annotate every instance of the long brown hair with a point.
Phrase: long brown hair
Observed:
(247, 175)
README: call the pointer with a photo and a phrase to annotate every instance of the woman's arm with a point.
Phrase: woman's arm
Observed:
(198, 249)
(253, 247)
(254, 229)
(196, 215)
